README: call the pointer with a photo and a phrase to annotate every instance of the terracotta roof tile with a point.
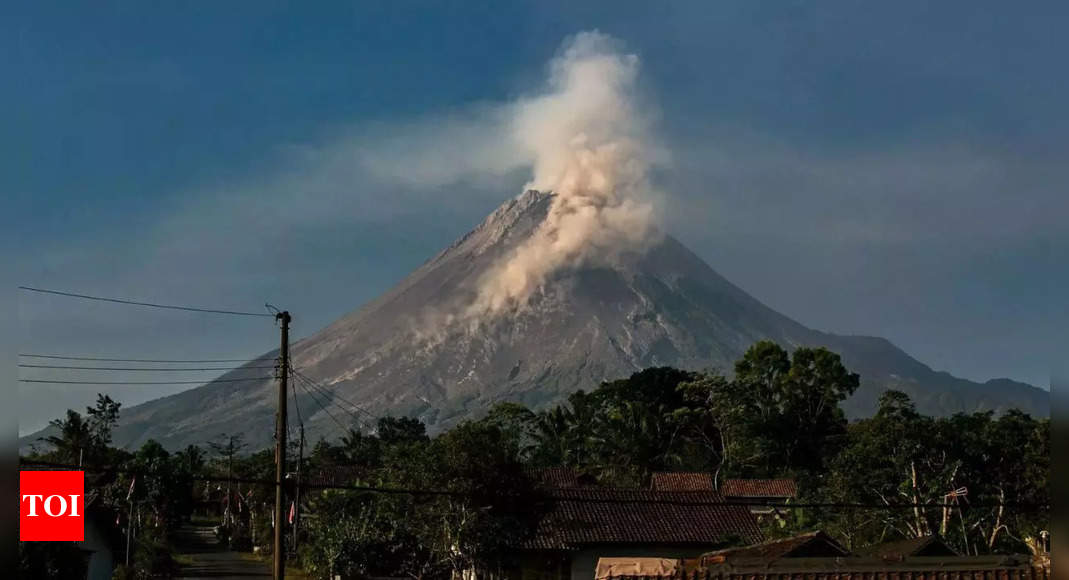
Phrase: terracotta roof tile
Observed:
(579, 517)
(855, 568)
(682, 481)
(813, 544)
(562, 477)
(923, 546)
(758, 488)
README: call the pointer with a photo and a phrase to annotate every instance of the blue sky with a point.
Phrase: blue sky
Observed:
(896, 169)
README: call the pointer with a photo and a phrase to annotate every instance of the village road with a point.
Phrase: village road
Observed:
(212, 561)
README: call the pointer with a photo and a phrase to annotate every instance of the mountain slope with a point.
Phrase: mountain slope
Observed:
(405, 354)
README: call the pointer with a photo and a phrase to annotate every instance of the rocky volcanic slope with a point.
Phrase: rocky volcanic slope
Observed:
(401, 354)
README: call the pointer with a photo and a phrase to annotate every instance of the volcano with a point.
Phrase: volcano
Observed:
(405, 354)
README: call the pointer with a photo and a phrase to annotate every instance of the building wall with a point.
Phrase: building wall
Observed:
(584, 563)
(101, 563)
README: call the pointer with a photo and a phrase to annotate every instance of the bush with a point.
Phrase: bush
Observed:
(152, 558)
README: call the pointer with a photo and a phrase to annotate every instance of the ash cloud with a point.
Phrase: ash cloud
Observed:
(589, 143)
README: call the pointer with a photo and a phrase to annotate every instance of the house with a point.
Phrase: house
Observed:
(818, 556)
(843, 568)
(585, 524)
(102, 539)
(637, 567)
(922, 546)
(682, 481)
(760, 491)
(811, 545)
(563, 478)
(757, 491)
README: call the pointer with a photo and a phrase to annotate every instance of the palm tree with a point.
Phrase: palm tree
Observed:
(553, 434)
(74, 439)
(192, 458)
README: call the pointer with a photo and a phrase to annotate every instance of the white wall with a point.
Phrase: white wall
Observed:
(585, 561)
(101, 564)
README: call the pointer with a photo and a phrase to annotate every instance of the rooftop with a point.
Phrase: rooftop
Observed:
(754, 488)
(585, 516)
(682, 481)
(810, 545)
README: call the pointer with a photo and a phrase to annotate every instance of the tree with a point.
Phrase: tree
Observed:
(362, 450)
(791, 407)
(899, 456)
(395, 430)
(226, 448)
(161, 488)
(494, 506)
(51, 561)
(517, 424)
(102, 418)
(719, 422)
(192, 458)
(75, 437)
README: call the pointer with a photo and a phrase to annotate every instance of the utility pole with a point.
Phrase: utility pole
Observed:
(129, 529)
(297, 492)
(280, 446)
(228, 514)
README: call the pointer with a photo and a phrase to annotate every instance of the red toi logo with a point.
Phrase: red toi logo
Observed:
(52, 507)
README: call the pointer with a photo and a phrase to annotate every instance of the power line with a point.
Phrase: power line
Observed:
(203, 382)
(152, 360)
(330, 399)
(321, 406)
(574, 495)
(297, 407)
(26, 366)
(334, 394)
(148, 304)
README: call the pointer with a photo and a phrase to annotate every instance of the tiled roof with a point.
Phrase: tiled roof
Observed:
(758, 488)
(923, 546)
(584, 516)
(941, 568)
(682, 481)
(561, 477)
(813, 544)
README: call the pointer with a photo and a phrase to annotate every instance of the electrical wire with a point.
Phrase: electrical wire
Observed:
(323, 407)
(329, 396)
(563, 495)
(26, 366)
(148, 304)
(202, 382)
(146, 360)
(297, 406)
(333, 394)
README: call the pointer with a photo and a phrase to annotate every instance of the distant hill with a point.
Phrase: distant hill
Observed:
(663, 307)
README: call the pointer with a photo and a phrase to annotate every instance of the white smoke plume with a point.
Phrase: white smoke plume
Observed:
(588, 143)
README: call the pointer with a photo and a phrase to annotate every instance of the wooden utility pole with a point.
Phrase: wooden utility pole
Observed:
(297, 491)
(280, 447)
(129, 529)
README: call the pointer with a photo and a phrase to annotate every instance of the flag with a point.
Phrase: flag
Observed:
(293, 511)
(130, 493)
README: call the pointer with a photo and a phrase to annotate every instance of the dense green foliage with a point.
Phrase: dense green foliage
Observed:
(488, 502)
(777, 416)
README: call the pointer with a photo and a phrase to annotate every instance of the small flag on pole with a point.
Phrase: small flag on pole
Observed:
(130, 493)
(293, 511)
